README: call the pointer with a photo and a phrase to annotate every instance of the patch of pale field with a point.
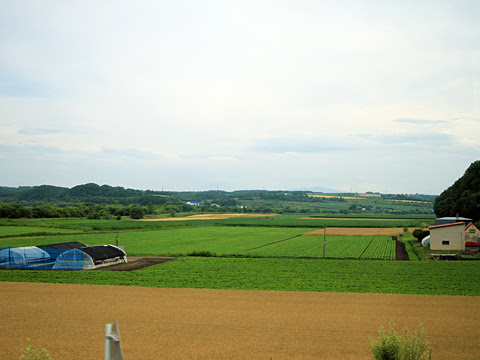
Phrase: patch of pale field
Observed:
(154, 323)
(336, 197)
(409, 201)
(359, 231)
(358, 219)
(208, 217)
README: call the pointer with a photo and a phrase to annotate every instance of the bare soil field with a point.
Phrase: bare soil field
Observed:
(69, 320)
(137, 262)
(360, 231)
(209, 217)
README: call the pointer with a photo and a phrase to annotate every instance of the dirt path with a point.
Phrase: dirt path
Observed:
(69, 320)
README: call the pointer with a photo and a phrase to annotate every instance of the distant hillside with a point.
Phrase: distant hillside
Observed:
(104, 201)
(104, 194)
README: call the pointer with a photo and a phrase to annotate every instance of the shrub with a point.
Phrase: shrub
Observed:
(202, 254)
(31, 353)
(409, 346)
(420, 234)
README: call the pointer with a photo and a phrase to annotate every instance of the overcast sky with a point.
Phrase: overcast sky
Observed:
(195, 95)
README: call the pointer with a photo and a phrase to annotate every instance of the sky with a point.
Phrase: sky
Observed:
(352, 95)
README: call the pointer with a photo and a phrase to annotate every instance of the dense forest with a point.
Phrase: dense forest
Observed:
(105, 202)
(463, 197)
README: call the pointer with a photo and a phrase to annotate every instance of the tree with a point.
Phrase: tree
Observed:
(136, 212)
(463, 197)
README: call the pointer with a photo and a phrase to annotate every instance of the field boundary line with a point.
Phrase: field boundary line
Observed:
(370, 243)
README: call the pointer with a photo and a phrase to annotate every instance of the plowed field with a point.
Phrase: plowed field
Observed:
(69, 320)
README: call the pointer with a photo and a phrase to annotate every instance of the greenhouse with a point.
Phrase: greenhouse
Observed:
(64, 256)
(90, 257)
(30, 257)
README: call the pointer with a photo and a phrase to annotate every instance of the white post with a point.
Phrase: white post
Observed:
(113, 349)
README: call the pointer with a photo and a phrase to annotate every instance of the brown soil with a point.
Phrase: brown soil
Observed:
(137, 262)
(69, 320)
(400, 251)
(359, 231)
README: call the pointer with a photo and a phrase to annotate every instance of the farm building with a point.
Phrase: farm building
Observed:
(472, 233)
(63, 256)
(448, 236)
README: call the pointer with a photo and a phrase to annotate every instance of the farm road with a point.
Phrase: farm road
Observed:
(154, 323)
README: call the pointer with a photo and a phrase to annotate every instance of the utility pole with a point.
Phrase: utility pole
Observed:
(118, 232)
(324, 236)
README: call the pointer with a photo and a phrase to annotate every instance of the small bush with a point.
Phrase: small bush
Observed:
(31, 353)
(202, 254)
(409, 346)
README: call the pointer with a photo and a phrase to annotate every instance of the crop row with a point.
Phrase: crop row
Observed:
(331, 247)
(369, 276)
(381, 247)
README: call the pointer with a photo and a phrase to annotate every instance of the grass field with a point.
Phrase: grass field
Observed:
(369, 276)
(297, 220)
(173, 242)
(12, 231)
(320, 222)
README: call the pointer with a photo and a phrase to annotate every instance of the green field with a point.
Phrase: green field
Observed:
(173, 242)
(396, 277)
(13, 231)
(336, 247)
(297, 220)
(270, 253)
(320, 221)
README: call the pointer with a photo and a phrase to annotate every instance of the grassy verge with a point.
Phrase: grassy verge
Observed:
(413, 246)
(368, 276)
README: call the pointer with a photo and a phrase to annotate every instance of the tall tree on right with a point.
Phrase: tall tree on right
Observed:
(463, 197)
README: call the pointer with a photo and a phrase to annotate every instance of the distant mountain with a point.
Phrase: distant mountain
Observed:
(319, 189)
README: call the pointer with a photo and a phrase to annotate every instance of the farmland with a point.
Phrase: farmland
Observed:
(163, 323)
(173, 242)
(219, 236)
(337, 247)
(264, 252)
(274, 255)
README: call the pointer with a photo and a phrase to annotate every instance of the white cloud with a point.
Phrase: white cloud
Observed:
(238, 92)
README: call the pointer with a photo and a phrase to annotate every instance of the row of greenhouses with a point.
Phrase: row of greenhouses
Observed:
(62, 256)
